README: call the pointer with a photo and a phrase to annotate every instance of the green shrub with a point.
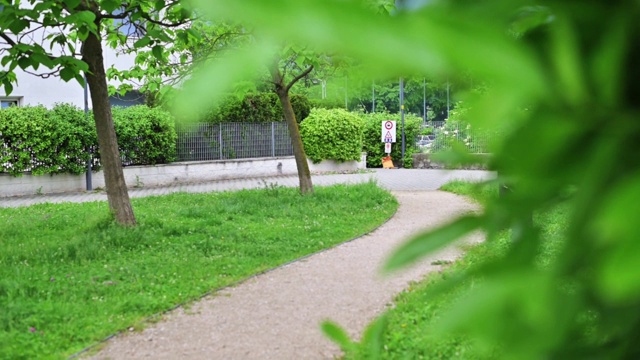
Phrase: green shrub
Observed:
(374, 146)
(334, 134)
(44, 141)
(57, 141)
(327, 103)
(256, 107)
(146, 136)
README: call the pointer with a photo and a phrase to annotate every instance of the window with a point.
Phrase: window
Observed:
(130, 98)
(5, 103)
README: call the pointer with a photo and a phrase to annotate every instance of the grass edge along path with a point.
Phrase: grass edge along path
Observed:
(70, 278)
(406, 331)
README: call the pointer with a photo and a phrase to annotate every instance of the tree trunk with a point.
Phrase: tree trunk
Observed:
(117, 194)
(304, 175)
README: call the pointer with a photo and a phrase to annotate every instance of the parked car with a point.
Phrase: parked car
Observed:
(425, 141)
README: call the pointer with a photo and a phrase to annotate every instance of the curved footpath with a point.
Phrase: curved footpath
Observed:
(276, 315)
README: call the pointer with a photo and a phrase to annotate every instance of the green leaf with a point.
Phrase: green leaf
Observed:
(110, 5)
(226, 71)
(67, 74)
(72, 4)
(80, 79)
(24, 62)
(42, 59)
(428, 242)
(8, 87)
(18, 25)
(568, 64)
(159, 5)
(157, 51)
(142, 42)
(336, 334)
(618, 276)
(83, 18)
(373, 338)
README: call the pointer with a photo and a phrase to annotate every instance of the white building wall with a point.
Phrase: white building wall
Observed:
(34, 90)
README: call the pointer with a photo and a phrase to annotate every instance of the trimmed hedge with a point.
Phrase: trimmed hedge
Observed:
(334, 134)
(56, 141)
(45, 141)
(256, 107)
(146, 136)
(374, 147)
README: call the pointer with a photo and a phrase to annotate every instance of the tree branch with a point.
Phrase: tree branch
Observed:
(300, 76)
(7, 39)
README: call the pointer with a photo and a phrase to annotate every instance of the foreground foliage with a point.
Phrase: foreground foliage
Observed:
(563, 87)
(69, 277)
(412, 328)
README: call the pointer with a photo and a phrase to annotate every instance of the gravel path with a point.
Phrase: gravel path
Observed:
(276, 315)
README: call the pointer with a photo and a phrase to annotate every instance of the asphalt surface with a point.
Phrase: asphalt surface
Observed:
(390, 179)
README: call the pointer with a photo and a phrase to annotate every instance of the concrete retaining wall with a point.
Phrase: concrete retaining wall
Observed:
(182, 172)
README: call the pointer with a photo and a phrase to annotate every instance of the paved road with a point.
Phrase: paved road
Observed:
(390, 179)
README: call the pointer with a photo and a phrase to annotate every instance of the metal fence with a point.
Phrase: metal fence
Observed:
(444, 134)
(203, 141)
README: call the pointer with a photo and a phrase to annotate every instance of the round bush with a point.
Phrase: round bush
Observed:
(332, 134)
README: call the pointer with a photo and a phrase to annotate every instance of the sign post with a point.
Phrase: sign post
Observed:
(388, 135)
(388, 131)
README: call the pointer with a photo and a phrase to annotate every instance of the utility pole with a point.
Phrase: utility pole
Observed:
(402, 118)
(448, 100)
(346, 93)
(424, 100)
(373, 96)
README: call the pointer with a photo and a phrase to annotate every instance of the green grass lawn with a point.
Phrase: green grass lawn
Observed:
(413, 329)
(69, 277)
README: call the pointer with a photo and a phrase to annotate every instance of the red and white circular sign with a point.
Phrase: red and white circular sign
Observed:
(388, 125)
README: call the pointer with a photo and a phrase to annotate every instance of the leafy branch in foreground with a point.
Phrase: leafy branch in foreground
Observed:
(566, 91)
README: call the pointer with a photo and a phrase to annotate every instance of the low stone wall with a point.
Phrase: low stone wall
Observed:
(423, 161)
(165, 174)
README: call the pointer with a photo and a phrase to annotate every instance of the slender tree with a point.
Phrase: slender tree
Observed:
(282, 86)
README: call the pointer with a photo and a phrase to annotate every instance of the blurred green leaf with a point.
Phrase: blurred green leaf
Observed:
(373, 338)
(390, 43)
(425, 243)
(334, 332)
(619, 275)
(210, 84)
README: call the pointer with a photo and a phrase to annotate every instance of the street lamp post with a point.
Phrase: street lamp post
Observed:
(86, 117)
